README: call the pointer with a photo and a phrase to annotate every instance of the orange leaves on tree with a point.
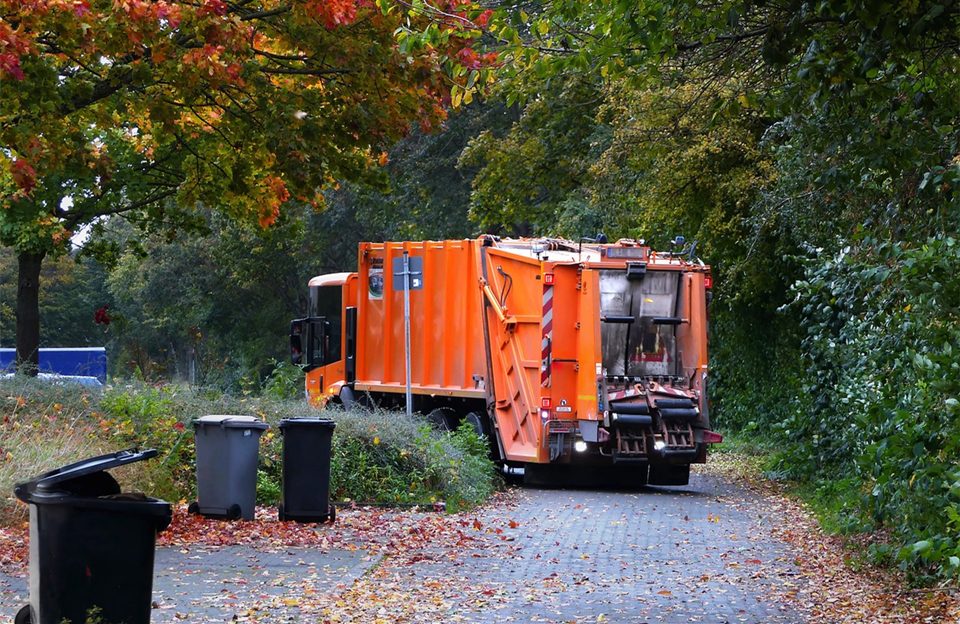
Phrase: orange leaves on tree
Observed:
(483, 18)
(136, 9)
(473, 60)
(275, 195)
(176, 69)
(333, 13)
(12, 47)
(24, 175)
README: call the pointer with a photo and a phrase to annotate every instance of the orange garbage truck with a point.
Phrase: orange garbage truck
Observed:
(576, 359)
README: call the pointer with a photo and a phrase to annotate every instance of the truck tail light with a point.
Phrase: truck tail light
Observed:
(707, 281)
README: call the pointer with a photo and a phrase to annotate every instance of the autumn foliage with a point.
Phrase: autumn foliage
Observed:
(151, 107)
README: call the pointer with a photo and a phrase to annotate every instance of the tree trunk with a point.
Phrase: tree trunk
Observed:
(28, 312)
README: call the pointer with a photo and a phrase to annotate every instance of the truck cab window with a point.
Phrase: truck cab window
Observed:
(327, 302)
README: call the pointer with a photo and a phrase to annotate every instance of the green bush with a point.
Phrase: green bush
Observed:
(388, 457)
(378, 456)
(882, 386)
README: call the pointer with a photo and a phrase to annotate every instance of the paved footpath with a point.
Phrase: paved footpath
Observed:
(672, 555)
(668, 555)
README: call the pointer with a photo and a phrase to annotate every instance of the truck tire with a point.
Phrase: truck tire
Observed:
(23, 616)
(443, 419)
(477, 422)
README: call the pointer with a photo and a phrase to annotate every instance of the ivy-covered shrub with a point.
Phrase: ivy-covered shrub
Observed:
(881, 390)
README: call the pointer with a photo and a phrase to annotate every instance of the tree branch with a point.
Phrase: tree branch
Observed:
(308, 72)
(73, 219)
(246, 17)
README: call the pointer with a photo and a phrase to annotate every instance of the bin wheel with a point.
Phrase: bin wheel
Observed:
(333, 514)
(23, 616)
(280, 515)
(233, 512)
(193, 508)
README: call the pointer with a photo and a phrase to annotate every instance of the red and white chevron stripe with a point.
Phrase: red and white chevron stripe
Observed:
(547, 335)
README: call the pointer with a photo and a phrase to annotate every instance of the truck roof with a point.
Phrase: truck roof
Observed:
(562, 251)
(330, 279)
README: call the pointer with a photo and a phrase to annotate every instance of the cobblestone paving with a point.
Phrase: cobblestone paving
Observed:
(667, 555)
(673, 555)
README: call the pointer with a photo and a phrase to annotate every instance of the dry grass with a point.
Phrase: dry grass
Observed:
(43, 427)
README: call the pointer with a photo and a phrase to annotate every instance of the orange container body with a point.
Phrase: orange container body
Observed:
(446, 337)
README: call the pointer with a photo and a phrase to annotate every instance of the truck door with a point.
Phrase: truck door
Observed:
(309, 342)
(315, 340)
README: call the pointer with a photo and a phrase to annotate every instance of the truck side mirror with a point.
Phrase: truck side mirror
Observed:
(296, 343)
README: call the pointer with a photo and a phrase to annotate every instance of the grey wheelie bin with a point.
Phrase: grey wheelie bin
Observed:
(305, 493)
(91, 546)
(228, 451)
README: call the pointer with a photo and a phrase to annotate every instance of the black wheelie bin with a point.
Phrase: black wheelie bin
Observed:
(305, 492)
(91, 546)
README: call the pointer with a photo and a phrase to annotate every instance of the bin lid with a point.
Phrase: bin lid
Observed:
(309, 421)
(49, 480)
(228, 420)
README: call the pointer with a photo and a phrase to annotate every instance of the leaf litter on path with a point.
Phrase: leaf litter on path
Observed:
(827, 588)
(830, 589)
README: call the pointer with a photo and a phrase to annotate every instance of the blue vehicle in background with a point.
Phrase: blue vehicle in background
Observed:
(86, 366)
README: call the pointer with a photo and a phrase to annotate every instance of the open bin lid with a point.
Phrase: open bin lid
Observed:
(226, 420)
(49, 481)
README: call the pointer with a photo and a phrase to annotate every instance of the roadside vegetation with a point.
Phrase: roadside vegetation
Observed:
(378, 457)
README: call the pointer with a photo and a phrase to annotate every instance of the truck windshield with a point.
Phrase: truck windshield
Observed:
(633, 343)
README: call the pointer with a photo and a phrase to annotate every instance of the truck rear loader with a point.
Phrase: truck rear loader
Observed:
(577, 360)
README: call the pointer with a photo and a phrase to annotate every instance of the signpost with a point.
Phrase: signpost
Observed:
(410, 270)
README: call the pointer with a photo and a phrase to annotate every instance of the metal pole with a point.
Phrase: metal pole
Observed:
(406, 325)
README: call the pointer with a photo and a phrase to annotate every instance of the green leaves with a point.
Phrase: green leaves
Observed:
(883, 324)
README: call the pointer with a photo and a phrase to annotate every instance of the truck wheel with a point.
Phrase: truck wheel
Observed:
(442, 419)
(476, 421)
(23, 616)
